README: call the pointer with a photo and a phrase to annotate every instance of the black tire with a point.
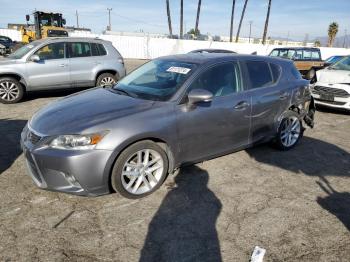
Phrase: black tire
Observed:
(103, 77)
(6, 99)
(281, 145)
(116, 176)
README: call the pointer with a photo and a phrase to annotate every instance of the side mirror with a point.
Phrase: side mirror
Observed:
(34, 58)
(199, 95)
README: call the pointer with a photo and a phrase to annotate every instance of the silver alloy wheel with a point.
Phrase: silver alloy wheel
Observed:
(142, 171)
(107, 81)
(9, 91)
(290, 131)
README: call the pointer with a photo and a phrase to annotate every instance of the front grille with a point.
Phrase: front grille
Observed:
(33, 138)
(330, 90)
(331, 102)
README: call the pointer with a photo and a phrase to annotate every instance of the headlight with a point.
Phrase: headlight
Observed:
(77, 142)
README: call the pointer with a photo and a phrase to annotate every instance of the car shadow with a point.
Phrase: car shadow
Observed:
(184, 227)
(10, 131)
(312, 157)
(325, 109)
(50, 93)
(336, 203)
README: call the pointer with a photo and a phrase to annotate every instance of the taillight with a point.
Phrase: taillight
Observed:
(121, 60)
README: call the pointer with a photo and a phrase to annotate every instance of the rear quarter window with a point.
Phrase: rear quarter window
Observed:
(101, 49)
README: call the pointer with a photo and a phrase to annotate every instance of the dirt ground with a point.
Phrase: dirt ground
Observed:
(295, 204)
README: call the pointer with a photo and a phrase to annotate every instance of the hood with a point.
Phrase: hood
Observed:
(4, 61)
(78, 112)
(330, 76)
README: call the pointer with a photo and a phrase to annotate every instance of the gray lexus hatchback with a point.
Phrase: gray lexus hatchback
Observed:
(172, 111)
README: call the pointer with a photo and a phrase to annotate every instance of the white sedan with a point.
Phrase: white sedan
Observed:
(332, 88)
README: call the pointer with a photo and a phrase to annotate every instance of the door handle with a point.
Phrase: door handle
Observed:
(283, 96)
(62, 65)
(241, 105)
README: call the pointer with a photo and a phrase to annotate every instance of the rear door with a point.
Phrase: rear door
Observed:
(219, 126)
(269, 97)
(82, 64)
(52, 71)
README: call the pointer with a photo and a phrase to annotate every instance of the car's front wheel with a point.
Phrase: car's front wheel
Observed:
(11, 90)
(139, 170)
(290, 131)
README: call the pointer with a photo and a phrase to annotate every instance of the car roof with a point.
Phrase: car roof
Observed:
(70, 39)
(298, 48)
(200, 58)
(213, 50)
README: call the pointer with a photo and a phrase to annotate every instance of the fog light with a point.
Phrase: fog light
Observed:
(71, 179)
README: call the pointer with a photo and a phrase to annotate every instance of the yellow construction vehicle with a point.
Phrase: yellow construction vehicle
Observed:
(45, 25)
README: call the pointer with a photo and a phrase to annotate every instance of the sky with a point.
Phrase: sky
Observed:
(298, 17)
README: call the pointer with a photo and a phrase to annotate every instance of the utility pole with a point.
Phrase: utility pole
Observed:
(181, 19)
(197, 18)
(76, 13)
(250, 29)
(169, 18)
(232, 15)
(345, 37)
(287, 38)
(240, 22)
(266, 22)
(109, 19)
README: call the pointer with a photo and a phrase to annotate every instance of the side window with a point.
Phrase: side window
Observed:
(259, 74)
(221, 80)
(79, 49)
(94, 49)
(307, 55)
(315, 55)
(51, 51)
(298, 55)
(274, 53)
(101, 49)
(276, 72)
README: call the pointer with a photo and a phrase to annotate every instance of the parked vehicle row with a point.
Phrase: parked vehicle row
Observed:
(171, 111)
(54, 63)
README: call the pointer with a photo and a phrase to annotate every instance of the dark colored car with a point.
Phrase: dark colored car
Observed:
(332, 60)
(211, 50)
(170, 112)
(307, 60)
(7, 43)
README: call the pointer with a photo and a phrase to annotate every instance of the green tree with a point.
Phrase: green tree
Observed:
(240, 22)
(194, 32)
(232, 15)
(317, 43)
(169, 18)
(332, 32)
(198, 13)
(266, 22)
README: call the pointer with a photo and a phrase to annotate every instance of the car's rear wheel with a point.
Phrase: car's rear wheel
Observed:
(11, 91)
(139, 170)
(290, 131)
(106, 79)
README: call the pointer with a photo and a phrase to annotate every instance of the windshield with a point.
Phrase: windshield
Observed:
(157, 80)
(343, 64)
(19, 53)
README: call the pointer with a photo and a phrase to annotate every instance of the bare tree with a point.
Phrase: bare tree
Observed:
(240, 22)
(266, 22)
(169, 18)
(232, 15)
(198, 13)
(182, 19)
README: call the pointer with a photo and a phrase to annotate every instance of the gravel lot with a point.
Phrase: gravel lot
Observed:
(295, 204)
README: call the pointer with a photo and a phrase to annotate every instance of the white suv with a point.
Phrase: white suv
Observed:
(54, 63)
(332, 88)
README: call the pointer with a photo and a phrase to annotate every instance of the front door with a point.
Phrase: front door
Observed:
(222, 125)
(52, 71)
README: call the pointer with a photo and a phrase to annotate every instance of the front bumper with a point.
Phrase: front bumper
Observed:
(70, 171)
(340, 97)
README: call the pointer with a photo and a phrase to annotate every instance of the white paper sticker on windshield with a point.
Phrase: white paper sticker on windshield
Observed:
(179, 70)
(30, 46)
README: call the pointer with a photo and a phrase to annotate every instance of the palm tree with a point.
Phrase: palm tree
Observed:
(332, 32)
(182, 20)
(232, 14)
(198, 13)
(266, 22)
(169, 19)
(240, 22)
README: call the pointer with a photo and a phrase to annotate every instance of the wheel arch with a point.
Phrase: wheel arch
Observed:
(16, 76)
(116, 153)
(111, 71)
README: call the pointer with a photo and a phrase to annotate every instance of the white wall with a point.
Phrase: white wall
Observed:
(148, 48)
